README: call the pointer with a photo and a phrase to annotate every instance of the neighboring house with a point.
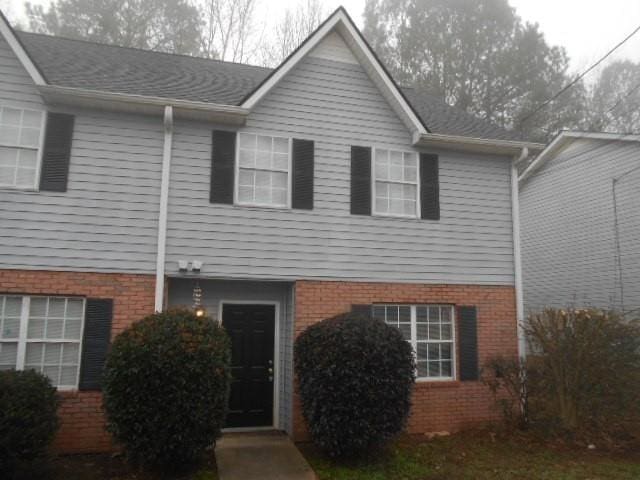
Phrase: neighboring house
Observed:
(130, 178)
(580, 223)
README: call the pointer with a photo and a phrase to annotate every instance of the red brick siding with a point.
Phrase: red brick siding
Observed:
(437, 406)
(81, 415)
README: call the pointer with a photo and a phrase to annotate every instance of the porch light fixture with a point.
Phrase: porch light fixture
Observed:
(197, 300)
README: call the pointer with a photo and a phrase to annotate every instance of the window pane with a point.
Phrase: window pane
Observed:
(433, 352)
(405, 329)
(9, 135)
(245, 194)
(26, 177)
(263, 195)
(263, 159)
(72, 328)
(30, 137)
(422, 351)
(446, 332)
(246, 177)
(31, 118)
(10, 327)
(423, 370)
(70, 353)
(434, 369)
(265, 144)
(280, 161)
(379, 313)
(52, 353)
(281, 145)
(404, 314)
(446, 369)
(75, 308)
(38, 307)
(263, 179)
(36, 328)
(69, 375)
(279, 196)
(56, 307)
(247, 158)
(8, 355)
(34, 354)
(421, 331)
(53, 372)
(8, 156)
(248, 140)
(445, 351)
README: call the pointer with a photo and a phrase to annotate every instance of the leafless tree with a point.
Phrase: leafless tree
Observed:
(229, 29)
(296, 25)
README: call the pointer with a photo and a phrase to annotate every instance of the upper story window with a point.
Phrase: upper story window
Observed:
(395, 184)
(42, 333)
(430, 331)
(264, 164)
(20, 139)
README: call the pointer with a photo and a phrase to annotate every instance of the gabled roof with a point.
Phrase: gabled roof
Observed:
(80, 67)
(343, 24)
(18, 49)
(565, 138)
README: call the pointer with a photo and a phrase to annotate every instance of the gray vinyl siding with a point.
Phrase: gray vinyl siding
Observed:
(107, 220)
(214, 292)
(336, 105)
(568, 228)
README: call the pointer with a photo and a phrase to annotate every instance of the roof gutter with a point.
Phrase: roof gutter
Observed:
(125, 102)
(471, 144)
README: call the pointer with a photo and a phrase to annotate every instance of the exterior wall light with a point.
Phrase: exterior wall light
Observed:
(197, 300)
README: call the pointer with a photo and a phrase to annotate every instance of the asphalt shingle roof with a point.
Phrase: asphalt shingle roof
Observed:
(94, 66)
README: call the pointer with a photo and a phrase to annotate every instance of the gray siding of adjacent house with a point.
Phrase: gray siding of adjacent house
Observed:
(568, 228)
(336, 105)
(215, 292)
(107, 220)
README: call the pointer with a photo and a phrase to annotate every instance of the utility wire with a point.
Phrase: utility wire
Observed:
(579, 77)
(628, 94)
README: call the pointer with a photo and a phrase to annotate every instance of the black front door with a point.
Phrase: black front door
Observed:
(251, 329)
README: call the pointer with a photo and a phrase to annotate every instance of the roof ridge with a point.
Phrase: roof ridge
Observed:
(137, 49)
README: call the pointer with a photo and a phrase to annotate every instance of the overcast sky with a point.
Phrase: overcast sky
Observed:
(586, 28)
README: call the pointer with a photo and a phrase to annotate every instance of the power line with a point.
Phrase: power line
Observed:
(628, 94)
(579, 77)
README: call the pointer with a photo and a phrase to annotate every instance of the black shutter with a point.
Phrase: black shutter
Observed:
(364, 310)
(468, 343)
(95, 342)
(361, 180)
(56, 152)
(302, 166)
(429, 187)
(223, 154)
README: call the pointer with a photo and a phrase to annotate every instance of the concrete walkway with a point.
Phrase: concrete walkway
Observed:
(260, 456)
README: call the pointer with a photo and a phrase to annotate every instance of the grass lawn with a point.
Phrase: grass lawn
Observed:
(478, 456)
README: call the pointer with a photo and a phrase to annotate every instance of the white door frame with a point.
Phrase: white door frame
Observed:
(276, 359)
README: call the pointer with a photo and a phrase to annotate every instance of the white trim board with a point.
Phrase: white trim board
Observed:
(565, 138)
(342, 23)
(19, 51)
(276, 358)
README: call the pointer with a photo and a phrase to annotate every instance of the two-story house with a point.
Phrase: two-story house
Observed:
(132, 181)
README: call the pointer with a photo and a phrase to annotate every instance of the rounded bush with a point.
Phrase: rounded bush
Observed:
(28, 417)
(355, 378)
(166, 386)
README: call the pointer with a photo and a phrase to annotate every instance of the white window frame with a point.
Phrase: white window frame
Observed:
(414, 337)
(373, 184)
(236, 175)
(22, 339)
(39, 150)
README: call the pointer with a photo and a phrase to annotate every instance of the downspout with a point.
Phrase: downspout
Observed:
(517, 253)
(164, 201)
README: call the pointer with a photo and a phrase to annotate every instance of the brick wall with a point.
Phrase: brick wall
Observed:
(82, 419)
(437, 406)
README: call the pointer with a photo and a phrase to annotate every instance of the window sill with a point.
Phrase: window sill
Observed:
(253, 206)
(8, 188)
(438, 383)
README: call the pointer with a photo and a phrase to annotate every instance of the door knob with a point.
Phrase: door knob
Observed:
(270, 371)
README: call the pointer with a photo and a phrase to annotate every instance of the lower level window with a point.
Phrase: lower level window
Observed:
(430, 331)
(42, 333)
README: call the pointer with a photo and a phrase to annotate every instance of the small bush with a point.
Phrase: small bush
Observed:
(28, 418)
(166, 387)
(355, 379)
(507, 380)
(581, 377)
(585, 369)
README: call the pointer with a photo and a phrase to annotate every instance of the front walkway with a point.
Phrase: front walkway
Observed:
(260, 456)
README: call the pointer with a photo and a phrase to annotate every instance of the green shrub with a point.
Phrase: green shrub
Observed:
(166, 386)
(28, 418)
(355, 379)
